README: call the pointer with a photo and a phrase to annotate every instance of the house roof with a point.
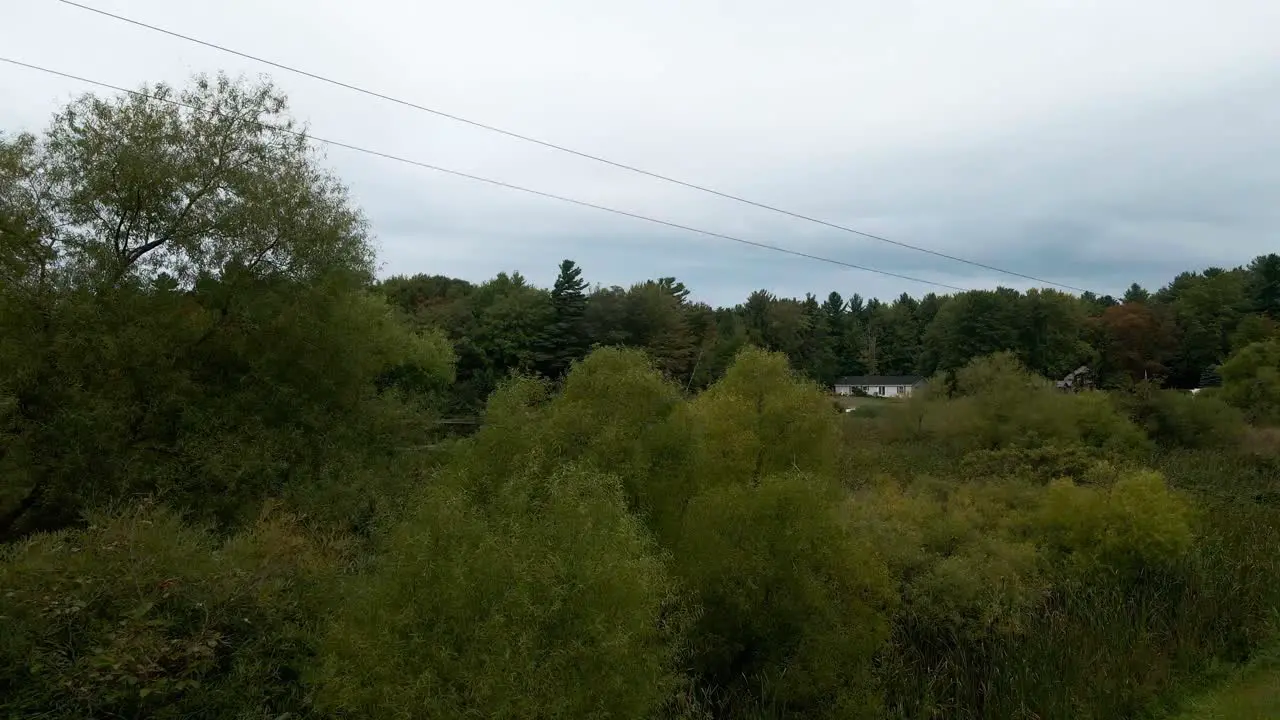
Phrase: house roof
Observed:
(880, 380)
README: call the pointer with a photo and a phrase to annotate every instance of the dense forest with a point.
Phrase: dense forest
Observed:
(232, 483)
(1177, 336)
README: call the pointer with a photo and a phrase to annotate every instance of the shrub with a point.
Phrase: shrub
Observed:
(216, 398)
(547, 601)
(1251, 381)
(996, 374)
(616, 414)
(1135, 525)
(1174, 419)
(1042, 464)
(965, 564)
(510, 436)
(996, 404)
(139, 615)
(792, 608)
(1012, 591)
(761, 419)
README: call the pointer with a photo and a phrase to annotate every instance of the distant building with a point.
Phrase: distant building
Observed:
(1079, 379)
(879, 385)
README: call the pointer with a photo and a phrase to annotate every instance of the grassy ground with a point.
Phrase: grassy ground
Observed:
(855, 401)
(1253, 693)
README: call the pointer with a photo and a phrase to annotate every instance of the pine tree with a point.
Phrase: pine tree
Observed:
(564, 340)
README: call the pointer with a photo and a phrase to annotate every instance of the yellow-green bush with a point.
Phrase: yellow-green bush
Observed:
(141, 616)
(760, 419)
(737, 485)
(965, 563)
(549, 600)
(509, 438)
(1135, 524)
(618, 413)
(793, 609)
(994, 404)
(792, 606)
(1044, 463)
(1006, 584)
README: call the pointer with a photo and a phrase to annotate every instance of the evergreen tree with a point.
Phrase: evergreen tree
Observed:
(1264, 285)
(1136, 293)
(565, 339)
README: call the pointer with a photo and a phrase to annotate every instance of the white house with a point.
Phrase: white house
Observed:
(879, 385)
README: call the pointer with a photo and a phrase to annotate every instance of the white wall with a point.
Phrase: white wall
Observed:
(876, 390)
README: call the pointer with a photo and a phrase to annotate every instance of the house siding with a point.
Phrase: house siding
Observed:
(876, 390)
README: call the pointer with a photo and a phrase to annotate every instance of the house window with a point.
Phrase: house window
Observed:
(880, 390)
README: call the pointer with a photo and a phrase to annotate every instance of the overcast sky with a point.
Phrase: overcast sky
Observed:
(1087, 142)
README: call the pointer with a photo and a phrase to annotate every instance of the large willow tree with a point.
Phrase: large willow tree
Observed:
(184, 312)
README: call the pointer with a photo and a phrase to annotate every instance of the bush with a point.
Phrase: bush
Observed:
(965, 564)
(1042, 464)
(616, 413)
(1174, 419)
(996, 404)
(547, 601)
(1008, 586)
(1251, 381)
(762, 419)
(216, 398)
(1133, 526)
(792, 608)
(141, 616)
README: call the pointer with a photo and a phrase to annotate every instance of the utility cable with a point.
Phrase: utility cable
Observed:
(564, 149)
(490, 181)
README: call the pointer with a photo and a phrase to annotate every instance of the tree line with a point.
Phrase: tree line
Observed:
(1177, 336)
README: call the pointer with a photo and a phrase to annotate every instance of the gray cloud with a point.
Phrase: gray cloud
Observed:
(1094, 144)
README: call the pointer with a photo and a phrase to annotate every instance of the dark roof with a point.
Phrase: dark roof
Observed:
(880, 380)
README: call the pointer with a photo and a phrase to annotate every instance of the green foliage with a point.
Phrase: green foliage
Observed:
(619, 414)
(549, 600)
(791, 605)
(1207, 308)
(760, 419)
(564, 339)
(140, 185)
(1252, 329)
(22, 220)
(1134, 525)
(1177, 419)
(997, 404)
(141, 616)
(1012, 591)
(215, 397)
(1251, 381)
(186, 315)
(1041, 464)
(738, 486)
(959, 552)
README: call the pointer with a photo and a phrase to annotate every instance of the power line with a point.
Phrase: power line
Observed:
(562, 148)
(490, 181)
